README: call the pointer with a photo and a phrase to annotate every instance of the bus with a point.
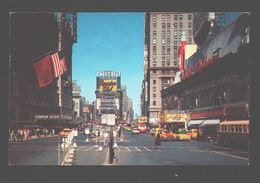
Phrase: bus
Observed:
(233, 133)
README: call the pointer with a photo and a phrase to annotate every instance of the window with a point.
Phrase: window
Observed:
(163, 51)
(163, 63)
(168, 40)
(154, 25)
(168, 17)
(154, 82)
(168, 33)
(175, 17)
(175, 47)
(154, 95)
(154, 48)
(154, 41)
(189, 40)
(154, 18)
(175, 33)
(189, 17)
(163, 34)
(163, 25)
(189, 33)
(163, 41)
(180, 25)
(154, 55)
(168, 48)
(154, 33)
(154, 89)
(163, 18)
(163, 56)
(189, 25)
(175, 25)
(168, 25)
(154, 102)
(168, 56)
(180, 17)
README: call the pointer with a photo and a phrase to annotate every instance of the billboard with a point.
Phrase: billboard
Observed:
(107, 86)
(223, 44)
(107, 78)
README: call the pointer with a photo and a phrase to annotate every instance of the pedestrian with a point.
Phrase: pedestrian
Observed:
(157, 140)
(119, 132)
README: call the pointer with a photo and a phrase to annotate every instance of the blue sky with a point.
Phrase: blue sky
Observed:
(110, 41)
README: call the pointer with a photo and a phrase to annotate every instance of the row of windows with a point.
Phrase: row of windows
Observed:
(175, 42)
(175, 25)
(234, 128)
(176, 17)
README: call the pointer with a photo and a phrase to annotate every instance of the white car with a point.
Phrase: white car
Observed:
(135, 131)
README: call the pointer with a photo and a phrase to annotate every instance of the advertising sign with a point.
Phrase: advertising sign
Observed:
(111, 120)
(223, 44)
(107, 86)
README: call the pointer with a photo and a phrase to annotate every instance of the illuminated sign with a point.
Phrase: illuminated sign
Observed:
(107, 86)
(108, 74)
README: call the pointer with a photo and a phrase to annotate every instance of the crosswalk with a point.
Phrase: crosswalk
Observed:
(97, 148)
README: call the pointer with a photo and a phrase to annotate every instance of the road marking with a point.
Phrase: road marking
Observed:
(147, 149)
(128, 149)
(230, 155)
(195, 149)
(90, 148)
(138, 149)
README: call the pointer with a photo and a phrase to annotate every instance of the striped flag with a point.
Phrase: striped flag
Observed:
(59, 63)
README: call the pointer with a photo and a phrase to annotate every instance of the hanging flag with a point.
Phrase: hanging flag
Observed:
(43, 71)
(59, 63)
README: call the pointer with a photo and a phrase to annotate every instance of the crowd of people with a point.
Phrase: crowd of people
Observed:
(20, 134)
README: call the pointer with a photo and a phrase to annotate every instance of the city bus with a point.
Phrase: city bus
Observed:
(233, 133)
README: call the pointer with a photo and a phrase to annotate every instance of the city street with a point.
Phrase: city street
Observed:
(135, 149)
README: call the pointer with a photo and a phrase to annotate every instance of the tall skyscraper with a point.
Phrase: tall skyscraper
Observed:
(163, 31)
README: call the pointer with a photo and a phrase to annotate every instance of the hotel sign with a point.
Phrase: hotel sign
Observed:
(108, 74)
(53, 116)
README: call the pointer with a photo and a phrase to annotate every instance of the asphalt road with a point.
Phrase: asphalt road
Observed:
(133, 150)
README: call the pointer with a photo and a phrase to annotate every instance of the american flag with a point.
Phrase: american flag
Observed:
(59, 63)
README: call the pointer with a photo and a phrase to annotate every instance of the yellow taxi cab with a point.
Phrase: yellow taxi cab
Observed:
(65, 132)
(167, 135)
(182, 135)
(193, 133)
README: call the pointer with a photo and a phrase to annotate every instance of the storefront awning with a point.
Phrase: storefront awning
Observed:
(239, 122)
(195, 122)
(210, 122)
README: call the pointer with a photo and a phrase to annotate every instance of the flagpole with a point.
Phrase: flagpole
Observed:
(59, 79)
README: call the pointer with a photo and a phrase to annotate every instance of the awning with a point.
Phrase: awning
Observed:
(210, 122)
(240, 122)
(195, 122)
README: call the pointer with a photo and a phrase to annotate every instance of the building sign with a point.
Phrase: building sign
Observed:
(52, 116)
(108, 74)
(108, 80)
(226, 79)
(207, 114)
